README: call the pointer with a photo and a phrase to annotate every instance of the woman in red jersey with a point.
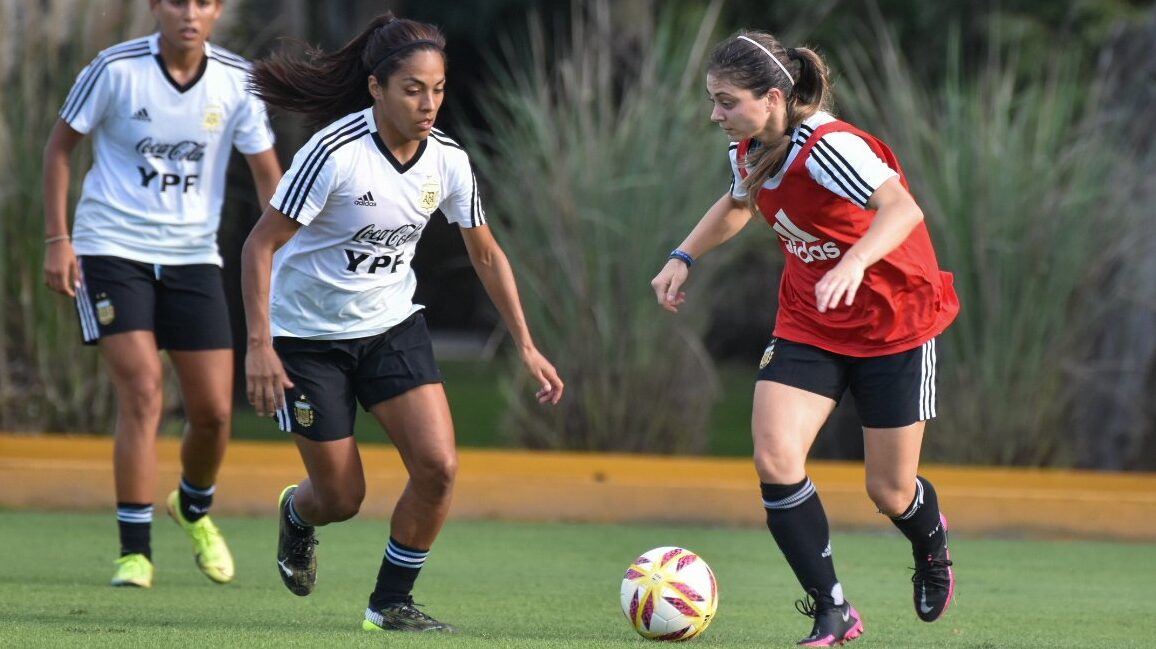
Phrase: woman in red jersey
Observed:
(861, 302)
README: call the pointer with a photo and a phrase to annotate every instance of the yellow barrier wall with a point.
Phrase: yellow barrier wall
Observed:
(53, 472)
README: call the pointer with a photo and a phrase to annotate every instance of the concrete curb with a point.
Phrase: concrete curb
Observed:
(58, 472)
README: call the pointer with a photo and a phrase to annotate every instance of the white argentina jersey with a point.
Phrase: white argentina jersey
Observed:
(346, 273)
(160, 152)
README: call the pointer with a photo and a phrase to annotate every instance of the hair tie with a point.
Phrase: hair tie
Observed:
(772, 56)
(401, 48)
(793, 53)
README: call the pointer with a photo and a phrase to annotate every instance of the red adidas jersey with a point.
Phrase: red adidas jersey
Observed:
(904, 300)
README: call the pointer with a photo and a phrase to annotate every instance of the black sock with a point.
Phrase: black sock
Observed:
(399, 569)
(921, 522)
(135, 521)
(195, 501)
(796, 519)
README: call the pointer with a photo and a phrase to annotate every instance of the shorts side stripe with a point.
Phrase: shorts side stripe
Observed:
(283, 421)
(927, 382)
(89, 329)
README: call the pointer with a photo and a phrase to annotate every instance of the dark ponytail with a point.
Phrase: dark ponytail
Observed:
(799, 73)
(325, 86)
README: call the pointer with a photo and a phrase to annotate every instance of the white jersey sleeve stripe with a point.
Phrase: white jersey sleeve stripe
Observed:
(299, 188)
(839, 168)
(84, 85)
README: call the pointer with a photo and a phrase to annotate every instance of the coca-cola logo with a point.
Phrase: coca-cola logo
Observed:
(390, 238)
(176, 151)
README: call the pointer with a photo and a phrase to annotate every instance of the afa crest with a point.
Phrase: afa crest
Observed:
(214, 117)
(768, 353)
(303, 412)
(105, 312)
(431, 195)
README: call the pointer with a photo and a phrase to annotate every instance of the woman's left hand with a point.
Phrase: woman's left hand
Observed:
(546, 376)
(840, 283)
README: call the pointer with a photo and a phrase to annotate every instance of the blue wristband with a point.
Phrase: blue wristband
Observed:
(682, 256)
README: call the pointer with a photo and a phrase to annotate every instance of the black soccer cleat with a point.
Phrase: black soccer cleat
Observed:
(402, 616)
(834, 626)
(934, 581)
(296, 560)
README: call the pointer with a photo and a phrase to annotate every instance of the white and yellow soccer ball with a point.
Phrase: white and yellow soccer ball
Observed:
(669, 593)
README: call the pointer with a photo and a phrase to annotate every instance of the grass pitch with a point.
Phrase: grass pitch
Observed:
(552, 586)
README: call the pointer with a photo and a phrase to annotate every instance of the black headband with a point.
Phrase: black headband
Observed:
(401, 48)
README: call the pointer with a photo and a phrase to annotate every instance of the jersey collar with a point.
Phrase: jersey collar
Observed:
(155, 50)
(397, 165)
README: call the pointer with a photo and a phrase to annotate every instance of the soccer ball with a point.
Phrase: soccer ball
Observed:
(669, 593)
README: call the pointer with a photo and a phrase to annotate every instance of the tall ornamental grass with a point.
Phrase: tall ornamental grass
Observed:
(601, 157)
(1016, 173)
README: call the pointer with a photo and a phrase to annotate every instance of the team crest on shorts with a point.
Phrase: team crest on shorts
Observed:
(767, 354)
(214, 117)
(431, 195)
(105, 312)
(303, 412)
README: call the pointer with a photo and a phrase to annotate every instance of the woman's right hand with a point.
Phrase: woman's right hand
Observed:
(667, 283)
(61, 272)
(265, 379)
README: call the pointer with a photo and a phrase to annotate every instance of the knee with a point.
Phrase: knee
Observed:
(435, 476)
(213, 421)
(337, 506)
(779, 468)
(142, 395)
(890, 499)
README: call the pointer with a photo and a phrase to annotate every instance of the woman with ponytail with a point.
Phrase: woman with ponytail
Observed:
(328, 288)
(861, 303)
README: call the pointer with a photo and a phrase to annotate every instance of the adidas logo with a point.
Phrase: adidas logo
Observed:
(142, 115)
(365, 200)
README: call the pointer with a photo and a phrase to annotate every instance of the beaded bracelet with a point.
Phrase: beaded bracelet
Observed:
(51, 240)
(682, 256)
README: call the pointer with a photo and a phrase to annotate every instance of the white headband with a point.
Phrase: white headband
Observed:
(773, 57)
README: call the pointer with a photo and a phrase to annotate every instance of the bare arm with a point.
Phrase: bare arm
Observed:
(493, 269)
(266, 171)
(722, 221)
(896, 216)
(265, 377)
(61, 273)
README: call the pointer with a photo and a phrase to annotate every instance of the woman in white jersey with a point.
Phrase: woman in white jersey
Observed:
(142, 262)
(329, 286)
(861, 302)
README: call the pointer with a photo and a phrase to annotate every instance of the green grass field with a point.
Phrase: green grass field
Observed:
(552, 585)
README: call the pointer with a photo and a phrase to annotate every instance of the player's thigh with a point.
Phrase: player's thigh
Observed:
(785, 421)
(398, 380)
(135, 368)
(419, 424)
(798, 387)
(335, 471)
(891, 462)
(206, 380)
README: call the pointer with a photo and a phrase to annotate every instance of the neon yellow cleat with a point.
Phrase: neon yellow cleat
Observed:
(209, 549)
(133, 570)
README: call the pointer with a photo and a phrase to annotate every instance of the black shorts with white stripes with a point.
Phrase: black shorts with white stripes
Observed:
(184, 306)
(330, 377)
(889, 391)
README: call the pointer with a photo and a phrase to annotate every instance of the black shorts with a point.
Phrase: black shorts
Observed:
(889, 391)
(184, 306)
(331, 376)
